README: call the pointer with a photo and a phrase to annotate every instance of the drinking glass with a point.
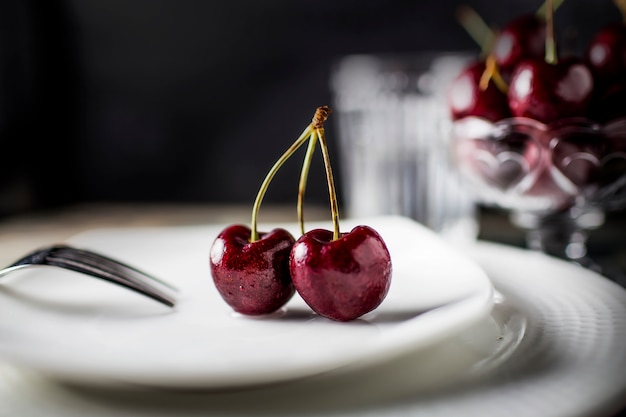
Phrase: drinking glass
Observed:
(394, 135)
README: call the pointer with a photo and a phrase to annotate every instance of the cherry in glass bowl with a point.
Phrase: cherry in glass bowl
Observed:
(557, 180)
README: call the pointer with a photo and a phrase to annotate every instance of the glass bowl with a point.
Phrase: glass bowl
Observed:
(556, 179)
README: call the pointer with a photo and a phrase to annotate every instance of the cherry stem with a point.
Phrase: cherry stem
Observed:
(304, 174)
(491, 73)
(484, 35)
(551, 57)
(254, 236)
(555, 5)
(621, 5)
(476, 27)
(334, 207)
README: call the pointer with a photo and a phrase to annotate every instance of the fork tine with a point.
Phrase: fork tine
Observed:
(99, 266)
(89, 269)
(120, 276)
(119, 270)
(113, 265)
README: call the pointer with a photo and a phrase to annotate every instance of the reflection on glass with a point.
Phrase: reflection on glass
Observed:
(557, 179)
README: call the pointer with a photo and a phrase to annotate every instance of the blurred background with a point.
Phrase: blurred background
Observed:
(192, 101)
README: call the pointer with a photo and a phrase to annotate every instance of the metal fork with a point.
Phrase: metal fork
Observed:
(99, 266)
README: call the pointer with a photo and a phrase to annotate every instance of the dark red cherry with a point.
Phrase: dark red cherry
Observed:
(252, 277)
(522, 38)
(606, 54)
(548, 92)
(344, 278)
(465, 96)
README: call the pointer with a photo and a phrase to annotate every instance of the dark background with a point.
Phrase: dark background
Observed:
(192, 101)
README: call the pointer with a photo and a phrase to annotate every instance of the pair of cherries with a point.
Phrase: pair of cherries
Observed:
(341, 276)
(523, 77)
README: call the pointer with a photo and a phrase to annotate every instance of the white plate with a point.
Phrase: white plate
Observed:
(555, 346)
(82, 329)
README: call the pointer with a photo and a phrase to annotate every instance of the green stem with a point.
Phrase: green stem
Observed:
(476, 27)
(254, 236)
(621, 5)
(541, 12)
(551, 57)
(484, 35)
(304, 174)
(490, 74)
(334, 207)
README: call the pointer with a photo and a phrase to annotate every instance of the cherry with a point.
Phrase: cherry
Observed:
(547, 92)
(471, 94)
(250, 269)
(341, 276)
(252, 277)
(344, 278)
(606, 53)
(522, 38)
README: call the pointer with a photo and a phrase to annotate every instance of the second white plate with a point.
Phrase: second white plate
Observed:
(82, 329)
